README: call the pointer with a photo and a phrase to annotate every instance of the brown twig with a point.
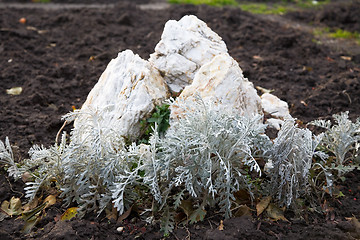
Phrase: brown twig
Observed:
(58, 134)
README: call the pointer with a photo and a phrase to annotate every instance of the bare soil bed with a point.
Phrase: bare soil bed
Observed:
(58, 55)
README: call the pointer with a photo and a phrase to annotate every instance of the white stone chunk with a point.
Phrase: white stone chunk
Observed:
(127, 92)
(184, 47)
(221, 81)
(276, 108)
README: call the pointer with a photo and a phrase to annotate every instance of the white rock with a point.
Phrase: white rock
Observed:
(221, 81)
(276, 108)
(274, 123)
(184, 47)
(128, 89)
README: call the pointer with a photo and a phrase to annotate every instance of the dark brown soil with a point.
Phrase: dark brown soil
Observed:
(58, 55)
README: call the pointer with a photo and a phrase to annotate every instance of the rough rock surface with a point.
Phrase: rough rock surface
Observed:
(127, 92)
(276, 108)
(184, 47)
(221, 82)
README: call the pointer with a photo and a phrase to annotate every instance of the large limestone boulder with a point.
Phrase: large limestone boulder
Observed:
(127, 92)
(185, 46)
(221, 82)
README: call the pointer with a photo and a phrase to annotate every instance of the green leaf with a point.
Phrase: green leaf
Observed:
(167, 222)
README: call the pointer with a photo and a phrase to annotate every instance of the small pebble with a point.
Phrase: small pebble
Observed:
(120, 229)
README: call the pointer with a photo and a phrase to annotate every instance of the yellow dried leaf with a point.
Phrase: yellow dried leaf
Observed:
(221, 226)
(69, 214)
(50, 200)
(12, 208)
(14, 91)
(262, 205)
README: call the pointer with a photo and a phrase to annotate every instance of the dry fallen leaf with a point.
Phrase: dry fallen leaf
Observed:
(111, 213)
(346, 58)
(262, 205)
(69, 214)
(256, 57)
(30, 215)
(275, 213)
(307, 68)
(221, 226)
(31, 205)
(243, 210)
(179, 217)
(28, 226)
(3, 216)
(50, 200)
(12, 208)
(242, 197)
(264, 90)
(14, 91)
(26, 177)
(125, 214)
(187, 207)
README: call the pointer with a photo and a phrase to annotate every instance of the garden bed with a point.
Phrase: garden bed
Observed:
(57, 56)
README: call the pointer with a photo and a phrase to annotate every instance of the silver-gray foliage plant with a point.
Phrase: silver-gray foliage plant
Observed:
(206, 155)
(341, 139)
(292, 158)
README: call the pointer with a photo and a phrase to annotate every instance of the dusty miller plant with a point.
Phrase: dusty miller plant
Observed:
(7, 158)
(342, 139)
(44, 166)
(292, 158)
(204, 158)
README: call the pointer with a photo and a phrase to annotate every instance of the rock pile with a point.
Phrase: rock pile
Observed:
(189, 60)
